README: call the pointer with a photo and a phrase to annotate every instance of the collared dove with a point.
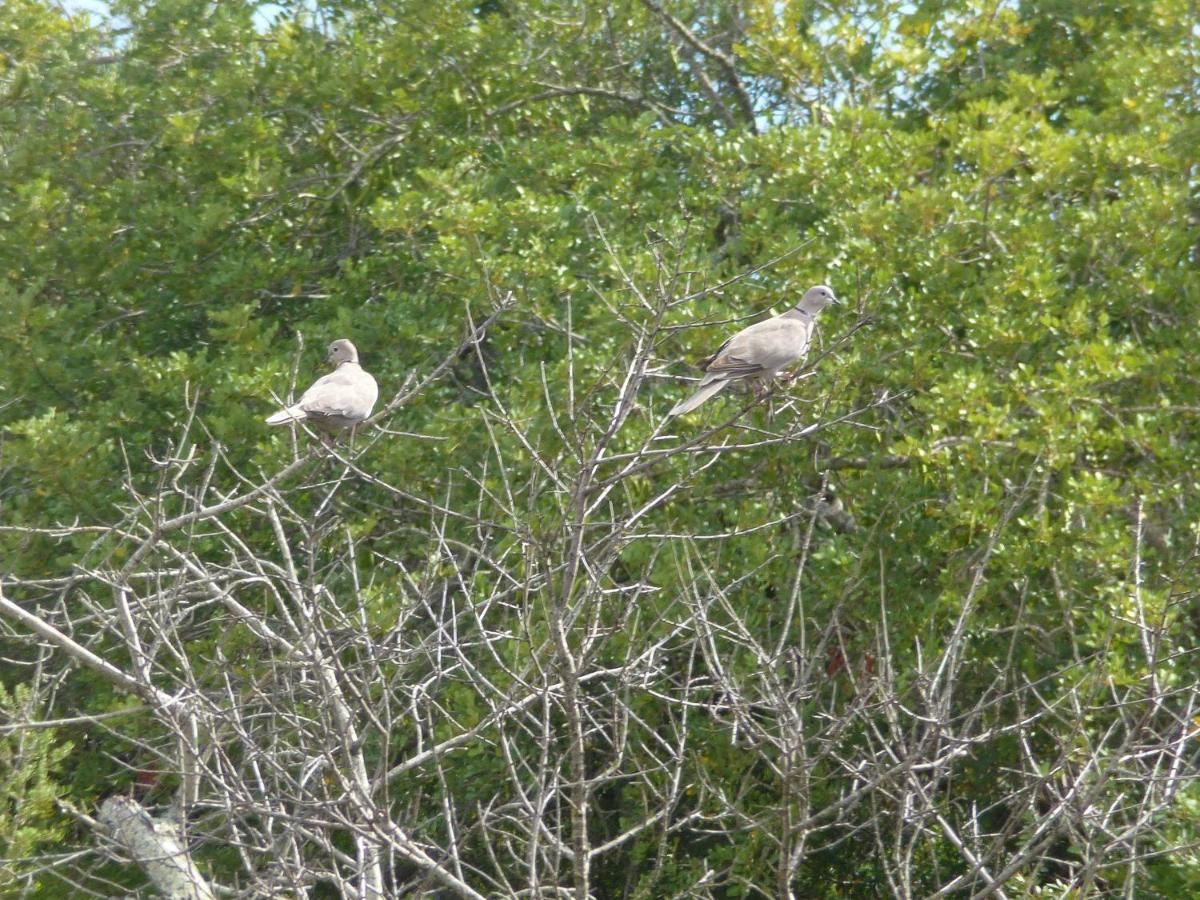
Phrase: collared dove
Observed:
(761, 350)
(341, 399)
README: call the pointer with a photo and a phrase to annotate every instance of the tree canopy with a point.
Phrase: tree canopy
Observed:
(922, 623)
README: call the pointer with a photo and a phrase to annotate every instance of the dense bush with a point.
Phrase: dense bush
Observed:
(924, 621)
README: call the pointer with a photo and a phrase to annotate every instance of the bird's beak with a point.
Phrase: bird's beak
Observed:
(833, 298)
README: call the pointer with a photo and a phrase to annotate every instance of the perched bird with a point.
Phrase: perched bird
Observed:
(341, 399)
(761, 350)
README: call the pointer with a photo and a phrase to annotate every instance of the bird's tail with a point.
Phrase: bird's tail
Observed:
(706, 391)
(291, 414)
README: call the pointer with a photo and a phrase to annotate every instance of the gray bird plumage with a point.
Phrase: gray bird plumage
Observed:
(762, 350)
(341, 399)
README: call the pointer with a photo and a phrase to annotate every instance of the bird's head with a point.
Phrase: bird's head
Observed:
(817, 298)
(341, 351)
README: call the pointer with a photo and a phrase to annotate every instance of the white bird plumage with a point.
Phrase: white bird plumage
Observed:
(762, 350)
(341, 399)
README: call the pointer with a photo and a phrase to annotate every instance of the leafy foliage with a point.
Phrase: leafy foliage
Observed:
(192, 195)
(29, 763)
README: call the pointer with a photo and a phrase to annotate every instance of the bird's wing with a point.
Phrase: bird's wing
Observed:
(726, 365)
(349, 392)
(765, 346)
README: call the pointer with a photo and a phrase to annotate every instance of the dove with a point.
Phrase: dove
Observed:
(341, 399)
(761, 350)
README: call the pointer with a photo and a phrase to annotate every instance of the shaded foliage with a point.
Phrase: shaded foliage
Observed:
(1007, 193)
